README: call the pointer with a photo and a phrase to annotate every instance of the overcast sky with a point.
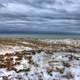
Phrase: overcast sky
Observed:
(40, 15)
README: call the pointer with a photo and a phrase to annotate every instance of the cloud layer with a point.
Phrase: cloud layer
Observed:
(40, 15)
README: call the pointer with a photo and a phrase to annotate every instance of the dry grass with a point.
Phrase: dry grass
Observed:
(38, 44)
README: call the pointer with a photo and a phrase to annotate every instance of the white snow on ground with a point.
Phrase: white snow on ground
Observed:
(12, 49)
(63, 41)
(45, 66)
(40, 71)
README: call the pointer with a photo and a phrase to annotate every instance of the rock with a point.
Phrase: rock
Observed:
(61, 70)
(71, 57)
(69, 75)
(5, 78)
(66, 64)
(49, 70)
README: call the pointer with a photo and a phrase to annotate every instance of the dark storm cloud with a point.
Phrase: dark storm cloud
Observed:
(40, 15)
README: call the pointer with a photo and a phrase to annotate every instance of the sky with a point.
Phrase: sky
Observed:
(40, 16)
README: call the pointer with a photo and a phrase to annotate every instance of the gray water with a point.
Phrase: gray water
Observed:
(40, 36)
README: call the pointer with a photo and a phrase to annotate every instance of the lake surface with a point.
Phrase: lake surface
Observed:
(42, 36)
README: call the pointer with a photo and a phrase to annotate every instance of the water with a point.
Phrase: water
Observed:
(41, 36)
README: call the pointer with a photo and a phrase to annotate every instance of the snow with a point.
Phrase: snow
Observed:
(12, 49)
(40, 71)
(63, 41)
(44, 66)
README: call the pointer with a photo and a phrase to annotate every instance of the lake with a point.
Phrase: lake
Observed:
(42, 36)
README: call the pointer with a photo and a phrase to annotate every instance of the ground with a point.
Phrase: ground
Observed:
(39, 59)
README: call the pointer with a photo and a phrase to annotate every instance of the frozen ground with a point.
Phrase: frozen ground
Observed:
(27, 64)
(12, 49)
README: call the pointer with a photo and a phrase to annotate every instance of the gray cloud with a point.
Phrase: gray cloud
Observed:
(40, 15)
